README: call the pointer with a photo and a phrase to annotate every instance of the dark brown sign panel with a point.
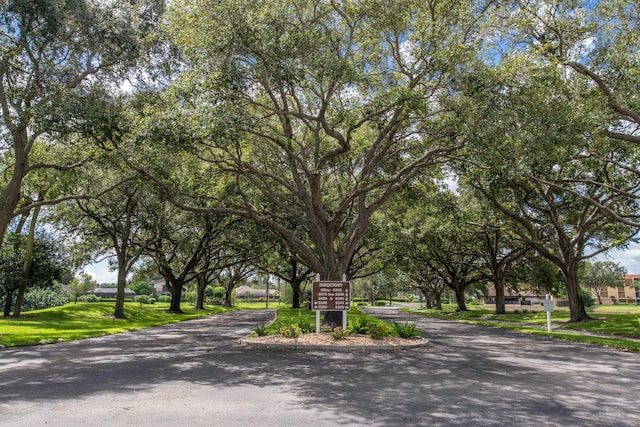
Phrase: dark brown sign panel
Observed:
(330, 296)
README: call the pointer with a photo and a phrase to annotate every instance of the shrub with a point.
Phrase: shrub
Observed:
(141, 288)
(164, 298)
(408, 330)
(144, 299)
(339, 333)
(219, 292)
(261, 330)
(304, 324)
(291, 331)
(358, 326)
(89, 298)
(587, 298)
(377, 331)
(38, 298)
(381, 303)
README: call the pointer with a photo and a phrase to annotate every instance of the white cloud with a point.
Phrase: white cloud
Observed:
(101, 273)
(628, 258)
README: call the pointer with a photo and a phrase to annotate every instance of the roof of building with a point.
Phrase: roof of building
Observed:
(112, 291)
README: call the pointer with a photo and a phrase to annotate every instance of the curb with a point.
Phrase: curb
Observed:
(249, 343)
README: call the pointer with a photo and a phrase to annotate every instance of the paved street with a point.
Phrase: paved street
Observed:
(195, 374)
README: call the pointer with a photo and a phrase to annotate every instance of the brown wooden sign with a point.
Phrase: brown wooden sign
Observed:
(330, 296)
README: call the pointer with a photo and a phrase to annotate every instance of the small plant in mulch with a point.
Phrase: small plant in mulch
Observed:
(304, 324)
(339, 333)
(408, 330)
(358, 326)
(291, 331)
(261, 330)
(377, 331)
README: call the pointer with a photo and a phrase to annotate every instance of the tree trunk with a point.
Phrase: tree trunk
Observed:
(17, 309)
(296, 293)
(295, 283)
(460, 300)
(576, 302)
(175, 286)
(437, 299)
(200, 288)
(428, 297)
(7, 303)
(227, 296)
(28, 257)
(500, 300)
(118, 311)
(10, 194)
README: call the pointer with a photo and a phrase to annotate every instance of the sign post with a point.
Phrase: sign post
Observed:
(330, 296)
(548, 307)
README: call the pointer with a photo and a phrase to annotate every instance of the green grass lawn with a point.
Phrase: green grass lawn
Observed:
(84, 320)
(618, 321)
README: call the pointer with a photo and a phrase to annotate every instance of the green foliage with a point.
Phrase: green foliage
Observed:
(587, 298)
(47, 264)
(219, 292)
(338, 333)
(291, 331)
(39, 298)
(164, 298)
(261, 330)
(408, 330)
(377, 331)
(190, 297)
(141, 288)
(305, 324)
(81, 286)
(89, 298)
(144, 299)
(358, 325)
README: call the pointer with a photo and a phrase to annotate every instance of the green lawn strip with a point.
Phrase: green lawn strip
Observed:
(606, 324)
(298, 316)
(85, 320)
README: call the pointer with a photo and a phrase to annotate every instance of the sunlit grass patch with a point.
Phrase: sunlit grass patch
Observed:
(84, 320)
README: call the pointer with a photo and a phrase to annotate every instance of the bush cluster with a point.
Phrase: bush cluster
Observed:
(408, 330)
(291, 331)
(338, 333)
(144, 299)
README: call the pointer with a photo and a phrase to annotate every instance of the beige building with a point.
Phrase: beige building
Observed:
(623, 295)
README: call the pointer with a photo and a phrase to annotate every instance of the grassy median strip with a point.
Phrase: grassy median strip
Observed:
(616, 325)
(85, 320)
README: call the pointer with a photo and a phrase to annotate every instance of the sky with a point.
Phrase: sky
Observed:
(628, 258)
(100, 272)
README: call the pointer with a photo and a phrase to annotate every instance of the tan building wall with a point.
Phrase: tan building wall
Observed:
(622, 295)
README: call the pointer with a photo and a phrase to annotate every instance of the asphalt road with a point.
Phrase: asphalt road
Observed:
(196, 374)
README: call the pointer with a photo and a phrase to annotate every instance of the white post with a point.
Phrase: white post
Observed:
(548, 308)
(317, 321)
(344, 312)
